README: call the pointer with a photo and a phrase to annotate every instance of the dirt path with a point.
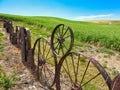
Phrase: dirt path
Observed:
(11, 61)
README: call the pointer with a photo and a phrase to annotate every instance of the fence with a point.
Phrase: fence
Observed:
(54, 62)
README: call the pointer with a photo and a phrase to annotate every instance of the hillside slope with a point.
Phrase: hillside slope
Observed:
(97, 34)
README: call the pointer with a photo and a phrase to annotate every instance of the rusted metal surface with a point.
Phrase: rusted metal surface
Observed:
(62, 39)
(77, 73)
(116, 83)
(56, 66)
(44, 62)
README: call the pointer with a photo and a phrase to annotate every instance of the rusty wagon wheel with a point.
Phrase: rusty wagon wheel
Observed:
(44, 61)
(116, 83)
(80, 72)
(62, 39)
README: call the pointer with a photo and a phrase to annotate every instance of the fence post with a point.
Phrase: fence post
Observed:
(23, 44)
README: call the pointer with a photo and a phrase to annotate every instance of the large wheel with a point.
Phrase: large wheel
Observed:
(116, 83)
(44, 61)
(80, 72)
(62, 39)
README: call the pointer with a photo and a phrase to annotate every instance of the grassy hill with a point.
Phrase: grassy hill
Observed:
(102, 34)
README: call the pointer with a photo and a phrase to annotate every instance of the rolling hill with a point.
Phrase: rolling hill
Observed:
(100, 34)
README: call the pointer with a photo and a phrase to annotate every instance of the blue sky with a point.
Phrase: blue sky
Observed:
(69, 9)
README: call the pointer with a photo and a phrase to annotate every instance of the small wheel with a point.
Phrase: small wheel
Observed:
(62, 39)
(44, 61)
(80, 72)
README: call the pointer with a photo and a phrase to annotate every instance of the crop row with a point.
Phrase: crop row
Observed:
(98, 34)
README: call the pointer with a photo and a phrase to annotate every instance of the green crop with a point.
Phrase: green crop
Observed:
(106, 35)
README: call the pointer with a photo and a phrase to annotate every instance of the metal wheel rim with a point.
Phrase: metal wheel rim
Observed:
(63, 33)
(42, 66)
(102, 72)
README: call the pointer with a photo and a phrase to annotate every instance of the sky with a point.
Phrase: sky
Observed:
(68, 9)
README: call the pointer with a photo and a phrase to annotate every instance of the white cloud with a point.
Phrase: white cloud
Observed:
(94, 16)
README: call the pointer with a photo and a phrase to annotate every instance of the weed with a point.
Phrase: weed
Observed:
(82, 59)
(104, 50)
(118, 57)
(88, 46)
(7, 82)
(81, 49)
(6, 58)
(106, 56)
(1, 48)
(114, 71)
(104, 65)
(106, 61)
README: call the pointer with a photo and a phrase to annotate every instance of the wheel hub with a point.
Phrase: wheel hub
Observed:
(61, 40)
(42, 62)
(76, 87)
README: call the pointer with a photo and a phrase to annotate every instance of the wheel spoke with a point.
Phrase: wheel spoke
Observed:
(56, 42)
(57, 35)
(40, 71)
(68, 74)
(46, 79)
(85, 71)
(65, 32)
(49, 73)
(44, 49)
(57, 45)
(67, 36)
(49, 58)
(64, 46)
(78, 64)
(48, 53)
(73, 64)
(62, 50)
(40, 50)
(91, 79)
(59, 48)
(41, 54)
(66, 82)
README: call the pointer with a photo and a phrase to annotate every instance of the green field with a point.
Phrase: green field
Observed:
(102, 34)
